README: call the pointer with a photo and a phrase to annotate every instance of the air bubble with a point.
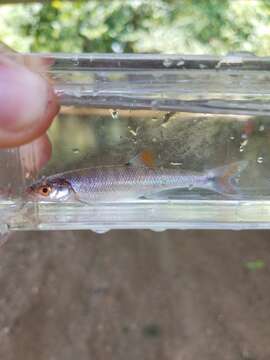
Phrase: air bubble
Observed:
(260, 160)
(76, 151)
(232, 137)
(176, 163)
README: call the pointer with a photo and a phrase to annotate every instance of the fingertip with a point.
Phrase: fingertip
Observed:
(28, 104)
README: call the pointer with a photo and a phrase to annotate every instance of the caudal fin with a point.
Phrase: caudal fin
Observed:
(223, 179)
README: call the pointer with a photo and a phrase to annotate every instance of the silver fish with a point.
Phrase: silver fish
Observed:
(129, 182)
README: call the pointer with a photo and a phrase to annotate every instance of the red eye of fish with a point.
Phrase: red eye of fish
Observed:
(45, 190)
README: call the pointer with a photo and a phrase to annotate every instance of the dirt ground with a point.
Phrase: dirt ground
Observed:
(135, 295)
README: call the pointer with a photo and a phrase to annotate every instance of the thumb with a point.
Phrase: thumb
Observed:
(27, 104)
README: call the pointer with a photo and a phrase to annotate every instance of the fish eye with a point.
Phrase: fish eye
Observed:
(45, 190)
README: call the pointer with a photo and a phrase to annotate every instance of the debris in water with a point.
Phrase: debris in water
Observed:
(166, 118)
(242, 145)
(114, 113)
(167, 62)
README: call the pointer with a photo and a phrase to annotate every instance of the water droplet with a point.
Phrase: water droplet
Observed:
(158, 229)
(232, 137)
(176, 163)
(101, 230)
(260, 160)
(117, 47)
(167, 62)
(154, 119)
(261, 128)
(230, 60)
(180, 63)
(76, 151)
(28, 175)
(75, 60)
(190, 187)
(244, 136)
(114, 113)
(154, 140)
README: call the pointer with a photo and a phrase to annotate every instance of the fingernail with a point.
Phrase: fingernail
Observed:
(23, 97)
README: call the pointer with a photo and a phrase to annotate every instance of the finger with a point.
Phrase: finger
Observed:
(27, 104)
(35, 63)
(35, 155)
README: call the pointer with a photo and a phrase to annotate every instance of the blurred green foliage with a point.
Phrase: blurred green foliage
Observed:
(255, 265)
(182, 26)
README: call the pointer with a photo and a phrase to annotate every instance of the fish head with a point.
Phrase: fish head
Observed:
(51, 190)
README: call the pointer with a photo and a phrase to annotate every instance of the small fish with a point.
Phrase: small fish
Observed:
(137, 179)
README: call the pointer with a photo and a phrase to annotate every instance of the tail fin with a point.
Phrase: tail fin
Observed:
(223, 179)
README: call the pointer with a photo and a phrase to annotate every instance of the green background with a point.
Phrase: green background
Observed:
(158, 26)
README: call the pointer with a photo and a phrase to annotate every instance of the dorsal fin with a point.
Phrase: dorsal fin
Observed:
(145, 158)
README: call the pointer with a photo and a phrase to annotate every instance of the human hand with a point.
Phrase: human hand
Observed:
(27, 107)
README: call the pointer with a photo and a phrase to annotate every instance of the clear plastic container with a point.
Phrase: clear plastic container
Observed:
(194, 114)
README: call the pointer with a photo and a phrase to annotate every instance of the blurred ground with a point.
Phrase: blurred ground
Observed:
(135, 295)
